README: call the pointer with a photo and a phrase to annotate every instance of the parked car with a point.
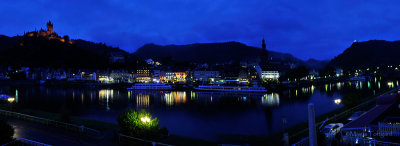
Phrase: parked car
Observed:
(4, 97)
(332, 129)
(355, 115)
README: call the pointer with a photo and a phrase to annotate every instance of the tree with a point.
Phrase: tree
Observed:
(140, 124)
(7, 132)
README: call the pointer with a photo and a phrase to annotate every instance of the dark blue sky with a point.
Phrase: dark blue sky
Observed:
(306, 28)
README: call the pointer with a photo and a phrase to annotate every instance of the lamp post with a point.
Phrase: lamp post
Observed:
(145, 119)
(11, 101)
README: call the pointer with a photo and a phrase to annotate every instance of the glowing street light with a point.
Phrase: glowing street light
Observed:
(337, 101)
(11, 99)
(145, 119)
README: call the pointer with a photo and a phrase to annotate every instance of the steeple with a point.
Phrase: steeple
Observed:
(264, 47)
(264, 55)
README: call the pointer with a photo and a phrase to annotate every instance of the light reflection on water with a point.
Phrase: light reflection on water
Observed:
(271, 99)
(104, 97)
(142, 100)
(175, 97)
(237, 113)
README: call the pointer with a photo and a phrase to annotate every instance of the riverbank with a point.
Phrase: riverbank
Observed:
(300, 130)
(107, 128)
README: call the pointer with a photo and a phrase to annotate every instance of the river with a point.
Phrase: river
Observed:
(196, 114)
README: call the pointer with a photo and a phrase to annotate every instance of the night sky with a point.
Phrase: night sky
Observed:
(307, 28)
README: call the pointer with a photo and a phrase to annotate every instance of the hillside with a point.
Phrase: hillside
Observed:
(7, 42)
(368, 53)
(209, 52)
(42, 52)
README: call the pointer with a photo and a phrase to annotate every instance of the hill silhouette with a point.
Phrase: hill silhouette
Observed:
(210, 52)
(368, 53)
(42, 52)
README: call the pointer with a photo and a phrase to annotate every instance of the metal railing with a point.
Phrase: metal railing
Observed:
(23, 141)
(347, 140)
(302, 142)
(125, 139)
(385, 129)
(48, 122)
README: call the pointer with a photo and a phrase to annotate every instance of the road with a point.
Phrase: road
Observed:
(53, 135)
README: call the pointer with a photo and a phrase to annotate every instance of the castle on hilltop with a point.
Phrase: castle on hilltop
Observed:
(49, 34)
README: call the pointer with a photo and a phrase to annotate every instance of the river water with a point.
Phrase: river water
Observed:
(202, 115)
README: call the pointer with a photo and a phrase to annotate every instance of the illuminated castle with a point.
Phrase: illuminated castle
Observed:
(49, 34)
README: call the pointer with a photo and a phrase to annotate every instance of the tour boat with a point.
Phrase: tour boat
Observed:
(150, 86)
(230, 88)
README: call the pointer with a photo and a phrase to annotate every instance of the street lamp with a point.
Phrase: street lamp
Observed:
(338, 101)
(145, 119)
(11, 99)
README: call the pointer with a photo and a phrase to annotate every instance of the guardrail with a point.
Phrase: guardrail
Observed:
(125, 139)
(347, 140)
(23, 141)
(302, 142)
(347, 112)
(48, 122)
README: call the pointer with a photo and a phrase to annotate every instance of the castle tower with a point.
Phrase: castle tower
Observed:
(49, 27)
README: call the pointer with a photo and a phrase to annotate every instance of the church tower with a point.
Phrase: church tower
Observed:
(49, 28)
(264, 47)
(264, 52)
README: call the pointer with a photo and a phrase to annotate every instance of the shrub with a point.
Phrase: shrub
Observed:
(7, 132)
(140, 124)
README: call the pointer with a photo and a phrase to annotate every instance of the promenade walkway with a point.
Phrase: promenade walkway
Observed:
(53, 135)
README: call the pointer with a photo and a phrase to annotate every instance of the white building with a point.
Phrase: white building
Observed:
(270, 74)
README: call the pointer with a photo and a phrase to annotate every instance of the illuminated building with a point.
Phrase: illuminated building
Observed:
(270, 75)
(205, 75)
(269, 72)
(180, 76)
(156, 76)
(173, 77)
(339, 72)
(313, 74)
(143, 75)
